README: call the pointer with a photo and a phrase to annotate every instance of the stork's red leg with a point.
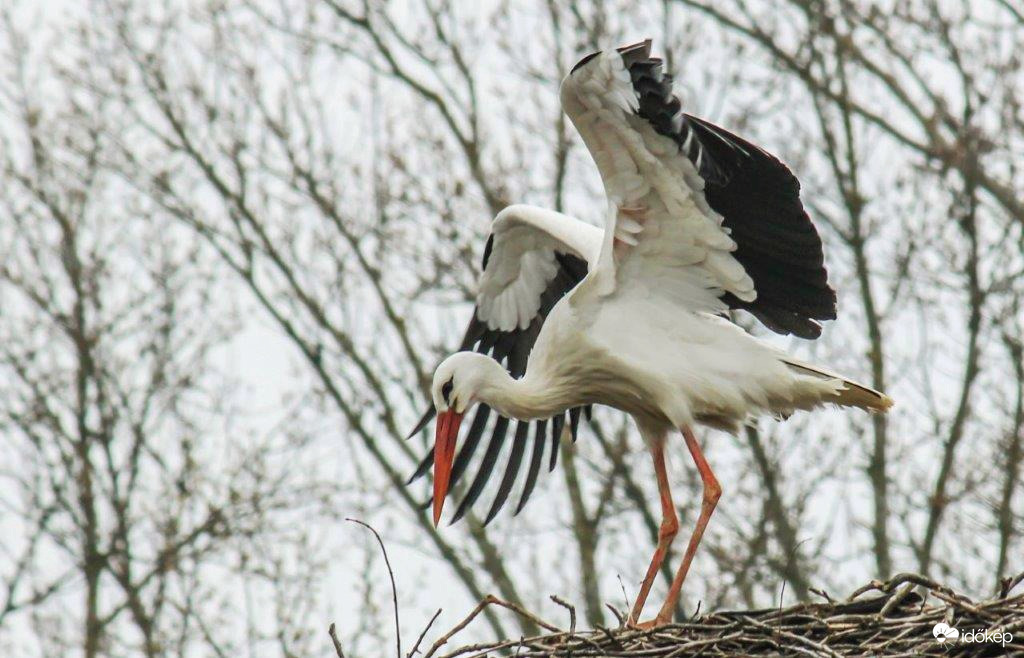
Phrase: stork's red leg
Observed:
(712, 492)
(667, 531)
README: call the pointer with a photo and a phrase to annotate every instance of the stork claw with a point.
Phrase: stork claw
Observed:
(646, 625)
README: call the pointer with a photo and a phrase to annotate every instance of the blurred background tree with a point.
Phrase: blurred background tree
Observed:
(236, 236)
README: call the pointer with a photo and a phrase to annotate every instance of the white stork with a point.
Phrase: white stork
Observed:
(699, 222)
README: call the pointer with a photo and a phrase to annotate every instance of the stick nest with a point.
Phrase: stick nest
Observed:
(893, 618)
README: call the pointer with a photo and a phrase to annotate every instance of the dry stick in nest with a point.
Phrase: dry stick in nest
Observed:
(572, 612)
(899, 622)
(489, 600)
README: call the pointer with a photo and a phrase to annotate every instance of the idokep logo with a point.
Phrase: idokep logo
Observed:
(945, 633)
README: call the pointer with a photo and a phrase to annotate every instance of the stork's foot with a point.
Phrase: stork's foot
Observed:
(647, 625)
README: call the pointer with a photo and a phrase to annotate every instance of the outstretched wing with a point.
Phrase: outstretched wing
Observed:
(532, 259)
(699, 215)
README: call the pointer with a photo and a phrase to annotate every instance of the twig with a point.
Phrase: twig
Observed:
(430, 623)
(440, 642)
(896, 599)
(391, 576)
(1008, 584)
(334, 638)
(618, 615)
(622, 586)
(489, 600)
(572, 613)
(823, 594)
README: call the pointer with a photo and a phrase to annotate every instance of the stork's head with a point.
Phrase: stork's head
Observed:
(458, 382)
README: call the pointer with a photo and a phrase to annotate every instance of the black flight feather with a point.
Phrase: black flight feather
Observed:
(557, 423)
(535, 460)
(423, 467)
(515, 459)
(486, 466)
(469, 444)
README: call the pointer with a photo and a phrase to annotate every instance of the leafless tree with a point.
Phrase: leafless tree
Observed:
(329, 167)
(137, 500)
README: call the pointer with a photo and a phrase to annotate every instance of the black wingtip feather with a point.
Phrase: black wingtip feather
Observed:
(574, 421)
(422, 468)
(583, 62)
(515, 459)
(476, 432)
(557, 423)
(540, 434)
(426, 418)
(487, 252)
(486, 466)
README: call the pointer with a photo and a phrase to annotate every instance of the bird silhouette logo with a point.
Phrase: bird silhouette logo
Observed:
(943, 632)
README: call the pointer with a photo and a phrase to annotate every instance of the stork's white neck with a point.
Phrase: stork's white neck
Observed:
(529, 398)
(475, 377)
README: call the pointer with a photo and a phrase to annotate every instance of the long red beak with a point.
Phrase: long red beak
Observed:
(444, 454)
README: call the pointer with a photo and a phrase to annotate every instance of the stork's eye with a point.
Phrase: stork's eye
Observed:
(446, 390)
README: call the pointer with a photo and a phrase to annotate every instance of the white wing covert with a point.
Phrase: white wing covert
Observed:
(522, 259)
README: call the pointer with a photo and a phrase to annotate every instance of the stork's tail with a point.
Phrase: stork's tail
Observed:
(848, 393)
